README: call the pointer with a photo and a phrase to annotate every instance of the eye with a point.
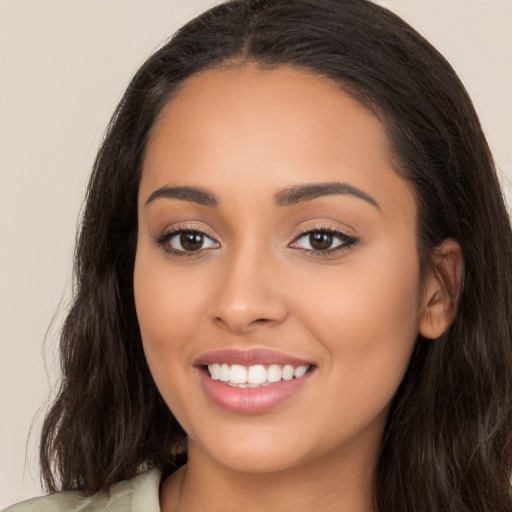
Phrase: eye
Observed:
(186, 241)
(323, 241)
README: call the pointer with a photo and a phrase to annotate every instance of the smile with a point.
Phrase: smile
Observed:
(258, 375)
(252, 381)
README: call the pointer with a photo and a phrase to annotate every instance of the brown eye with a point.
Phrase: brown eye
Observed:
(323, 241)
(191, 241)
(181, 242)
(320, 241)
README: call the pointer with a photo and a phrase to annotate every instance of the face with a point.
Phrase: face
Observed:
(277, 279)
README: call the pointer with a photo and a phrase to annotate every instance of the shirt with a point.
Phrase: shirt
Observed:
(139, 494)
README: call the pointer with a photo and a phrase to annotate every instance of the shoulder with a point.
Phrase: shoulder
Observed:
(139, 494)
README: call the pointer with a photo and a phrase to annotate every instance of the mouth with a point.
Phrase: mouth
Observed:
(252, 381)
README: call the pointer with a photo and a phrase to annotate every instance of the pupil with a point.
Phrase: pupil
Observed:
(320, 241)
(191, 241)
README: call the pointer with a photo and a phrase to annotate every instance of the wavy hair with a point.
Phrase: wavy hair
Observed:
(447, 444)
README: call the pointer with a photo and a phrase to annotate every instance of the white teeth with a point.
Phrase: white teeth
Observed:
(224, 373)
(214, 371)
(255, 375)
(288, 372)
(300, 371)
(237, 374)
(274, 373)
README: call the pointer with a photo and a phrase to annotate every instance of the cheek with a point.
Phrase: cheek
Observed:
(370, 309)
(167, 310)
(366, 317)
(373, 298)
(164, 305)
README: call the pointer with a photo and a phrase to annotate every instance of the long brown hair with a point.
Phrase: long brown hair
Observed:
(447, 443)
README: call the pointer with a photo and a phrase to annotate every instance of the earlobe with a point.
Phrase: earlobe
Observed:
(441, 289)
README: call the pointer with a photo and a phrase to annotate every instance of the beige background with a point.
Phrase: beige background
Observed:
(63, 67)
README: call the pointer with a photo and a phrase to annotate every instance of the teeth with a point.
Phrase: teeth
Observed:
(300, 371)
(288, 372)
(255, 375)
(237, 374)
(224, 373)
(274, 373)
(214, 370)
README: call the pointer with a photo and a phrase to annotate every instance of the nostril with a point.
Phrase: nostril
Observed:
(255, 310)
(256, 321)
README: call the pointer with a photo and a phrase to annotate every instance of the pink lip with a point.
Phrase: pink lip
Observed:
(248, 357)
(249, 400)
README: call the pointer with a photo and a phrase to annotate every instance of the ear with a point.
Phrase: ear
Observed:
(441, 289)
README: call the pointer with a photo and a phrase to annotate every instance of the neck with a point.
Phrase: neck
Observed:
(336, 482)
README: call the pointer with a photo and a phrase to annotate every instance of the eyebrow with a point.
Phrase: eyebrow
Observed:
(192, 194)
(287, 197)
(302, 193)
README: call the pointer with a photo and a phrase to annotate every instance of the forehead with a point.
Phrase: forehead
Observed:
(268, 128)
(273, 108)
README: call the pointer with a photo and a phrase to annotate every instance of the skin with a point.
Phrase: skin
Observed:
(245, 134)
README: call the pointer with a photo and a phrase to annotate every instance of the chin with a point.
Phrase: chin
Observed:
(255, 452)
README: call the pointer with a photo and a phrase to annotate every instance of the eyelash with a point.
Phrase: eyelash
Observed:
(164, 239)
(347, 241)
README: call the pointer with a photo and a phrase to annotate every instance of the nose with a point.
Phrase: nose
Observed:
(249, 293)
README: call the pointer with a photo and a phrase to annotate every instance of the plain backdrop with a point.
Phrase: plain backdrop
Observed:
(63, 66)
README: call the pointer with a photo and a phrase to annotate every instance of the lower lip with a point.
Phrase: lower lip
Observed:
(251, 400)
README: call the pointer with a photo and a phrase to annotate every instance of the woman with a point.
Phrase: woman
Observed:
(293, 280)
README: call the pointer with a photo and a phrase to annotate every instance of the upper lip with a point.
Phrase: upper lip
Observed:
(249, 357)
